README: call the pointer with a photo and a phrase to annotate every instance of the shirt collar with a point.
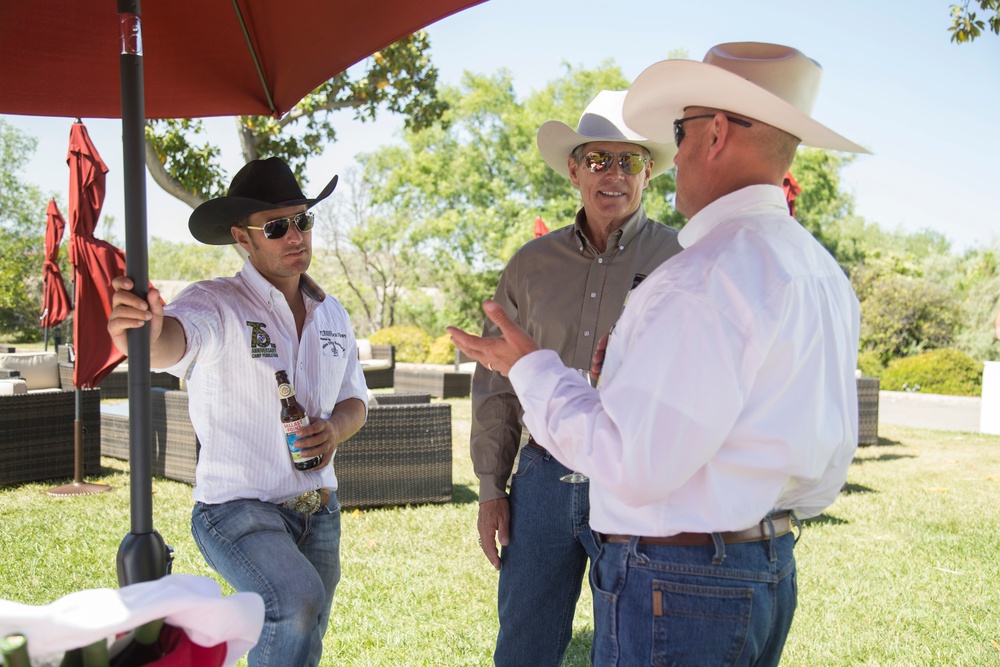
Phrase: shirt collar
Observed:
(263, 288)
(726, 207)
(619, 238)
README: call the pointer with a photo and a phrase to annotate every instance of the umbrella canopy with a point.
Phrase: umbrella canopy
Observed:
(95, 263)
(540, 228)
(201, 57)
(55, 298)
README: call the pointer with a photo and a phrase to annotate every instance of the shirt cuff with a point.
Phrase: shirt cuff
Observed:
(492, 487)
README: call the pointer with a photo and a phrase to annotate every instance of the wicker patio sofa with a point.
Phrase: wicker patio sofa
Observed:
(401, 456)
(38, 422)
(115, 383)
(378, 363)
(868, 389)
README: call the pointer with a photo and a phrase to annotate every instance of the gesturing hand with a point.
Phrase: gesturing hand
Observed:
(499, 353)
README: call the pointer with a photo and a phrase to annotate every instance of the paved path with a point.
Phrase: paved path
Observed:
(944, 413)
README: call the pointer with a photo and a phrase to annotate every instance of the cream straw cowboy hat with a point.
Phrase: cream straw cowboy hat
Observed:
(601, 121)
(774, 84)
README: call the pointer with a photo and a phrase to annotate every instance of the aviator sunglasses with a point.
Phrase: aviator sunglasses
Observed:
(275, 229)
(597, 162)
(679, 125)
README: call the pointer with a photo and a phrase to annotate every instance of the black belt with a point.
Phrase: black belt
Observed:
(309, 502)
(782, 524)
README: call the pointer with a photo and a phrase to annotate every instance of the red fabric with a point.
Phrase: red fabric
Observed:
(182, 652)
(792, 190)
(55, 298)
(96, 262)
(540, 227)
(62, 58)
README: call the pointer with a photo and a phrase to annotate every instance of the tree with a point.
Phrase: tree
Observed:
(22, 242)
(966, 26)
(400, 79)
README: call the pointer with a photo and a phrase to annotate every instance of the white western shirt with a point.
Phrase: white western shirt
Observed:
(728, 389)
(240, 331)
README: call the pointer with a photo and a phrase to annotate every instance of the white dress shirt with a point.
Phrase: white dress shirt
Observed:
(728, 389)
(240, 331)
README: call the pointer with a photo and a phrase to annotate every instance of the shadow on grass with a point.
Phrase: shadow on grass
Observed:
(463, 495)
(824, 520)
(856, 488)
(578, 651)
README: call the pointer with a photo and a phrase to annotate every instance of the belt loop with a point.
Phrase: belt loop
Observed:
(720, 549)
(633, 550)
(796, 523)
(770, 538)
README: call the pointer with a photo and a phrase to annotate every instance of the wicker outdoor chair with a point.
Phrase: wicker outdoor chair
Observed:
(868, 389)
(402, 455)
(37, 434)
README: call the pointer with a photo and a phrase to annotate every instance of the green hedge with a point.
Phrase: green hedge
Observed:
(412, 343)
(944, 371)
(442, 351)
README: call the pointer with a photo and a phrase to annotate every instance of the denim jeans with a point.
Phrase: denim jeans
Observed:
(542, 569)
(292, 560)
(672, 605)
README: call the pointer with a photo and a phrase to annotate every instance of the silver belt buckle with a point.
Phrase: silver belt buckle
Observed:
(307, 503)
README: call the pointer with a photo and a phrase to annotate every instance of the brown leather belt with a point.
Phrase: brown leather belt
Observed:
(531, 441)
(782, 526)
(309, 502)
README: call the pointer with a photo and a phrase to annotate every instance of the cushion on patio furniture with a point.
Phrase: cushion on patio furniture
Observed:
(12, 386)
(40, 370)
(364, 349)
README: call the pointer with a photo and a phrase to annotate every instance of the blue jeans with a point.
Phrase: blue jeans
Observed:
(292, 560)
(670, 605)
(542, 569)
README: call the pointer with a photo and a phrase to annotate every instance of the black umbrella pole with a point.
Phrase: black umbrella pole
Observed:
(142, 555)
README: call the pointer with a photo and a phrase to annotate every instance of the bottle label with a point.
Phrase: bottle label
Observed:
(291, 435)
(285, 390)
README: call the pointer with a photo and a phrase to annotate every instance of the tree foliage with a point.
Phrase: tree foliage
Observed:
(399, 79)
(966, 25)
(22, 241)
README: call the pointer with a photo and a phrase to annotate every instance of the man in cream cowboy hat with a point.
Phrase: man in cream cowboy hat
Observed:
(727, 404)
(566, 288)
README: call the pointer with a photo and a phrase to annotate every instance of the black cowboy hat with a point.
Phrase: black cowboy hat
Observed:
(261, 185)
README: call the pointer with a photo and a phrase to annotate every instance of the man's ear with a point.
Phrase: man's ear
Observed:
(240, 235)
(719, 133)
(573, 167)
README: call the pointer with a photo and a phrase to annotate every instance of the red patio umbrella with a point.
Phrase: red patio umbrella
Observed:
(792, 190)
(206, 57)
(95, 263)
(540, 227)
(55, 298)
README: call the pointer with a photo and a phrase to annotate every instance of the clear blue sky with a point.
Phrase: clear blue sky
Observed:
(892, 81)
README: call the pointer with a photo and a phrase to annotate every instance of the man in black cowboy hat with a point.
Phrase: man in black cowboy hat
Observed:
(265, 525)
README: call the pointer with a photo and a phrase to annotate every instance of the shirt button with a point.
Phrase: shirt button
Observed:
(593, 295)
(600, 260)
(586, 333)
(621, 247)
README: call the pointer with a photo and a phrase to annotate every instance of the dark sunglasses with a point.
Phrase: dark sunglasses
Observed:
(275, 229)
(679, 125)
(599, 161)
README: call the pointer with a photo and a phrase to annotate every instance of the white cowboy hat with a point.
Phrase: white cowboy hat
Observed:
(774, 84)
(601, 121)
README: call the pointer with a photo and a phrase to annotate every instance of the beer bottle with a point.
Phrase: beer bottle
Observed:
(293, 417)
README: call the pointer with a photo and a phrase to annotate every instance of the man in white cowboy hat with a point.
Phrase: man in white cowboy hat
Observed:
(261, 522)
(727, 403)
(567, 289)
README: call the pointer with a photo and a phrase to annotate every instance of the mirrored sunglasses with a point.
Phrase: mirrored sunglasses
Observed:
(275, 229)
(600, 161)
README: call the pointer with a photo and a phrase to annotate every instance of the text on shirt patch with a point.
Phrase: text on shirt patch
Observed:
(332, 347)
(260, 341)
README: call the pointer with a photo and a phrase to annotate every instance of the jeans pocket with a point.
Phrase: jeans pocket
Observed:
(526, 460)
(696, 624)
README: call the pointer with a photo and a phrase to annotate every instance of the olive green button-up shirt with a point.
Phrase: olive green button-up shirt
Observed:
(566, 295)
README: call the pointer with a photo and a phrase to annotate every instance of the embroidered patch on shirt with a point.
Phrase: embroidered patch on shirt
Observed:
(260, 341)
(333, 342)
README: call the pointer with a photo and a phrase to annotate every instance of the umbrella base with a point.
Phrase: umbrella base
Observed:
(78, 489)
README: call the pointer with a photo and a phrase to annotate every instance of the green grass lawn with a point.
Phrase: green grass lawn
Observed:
(902, 570)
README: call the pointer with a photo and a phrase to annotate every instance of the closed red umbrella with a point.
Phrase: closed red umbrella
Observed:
(55, 298)
(540, 227)
(95, 263)
(792, 190)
